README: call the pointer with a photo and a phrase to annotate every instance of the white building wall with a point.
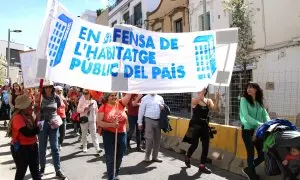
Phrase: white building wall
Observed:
(275, 22)
(281, 67)
(89, 15)
(219, 19)
(17, 46)
(116, 14)
(14, 71)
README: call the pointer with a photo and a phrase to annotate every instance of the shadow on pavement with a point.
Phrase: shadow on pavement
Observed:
(8, 162)
(140, 168)
(5, 153)
(74, 155)
(28, 176)
(4, 145)
(176, 156)
(183, 175)
(99, 158)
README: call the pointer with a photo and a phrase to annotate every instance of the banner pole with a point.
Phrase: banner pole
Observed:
(39, 99)
(115, 152)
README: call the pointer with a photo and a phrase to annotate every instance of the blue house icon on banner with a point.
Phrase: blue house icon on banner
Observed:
(205, 56)
(58, 39)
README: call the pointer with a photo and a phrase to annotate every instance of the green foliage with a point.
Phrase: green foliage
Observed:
(240, 13)
(99, 12)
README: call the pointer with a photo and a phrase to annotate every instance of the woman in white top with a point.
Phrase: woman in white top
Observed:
(87, 107)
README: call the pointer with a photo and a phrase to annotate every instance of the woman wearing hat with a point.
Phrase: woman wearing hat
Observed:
(112, 118)
(87, 107)
(23, 130)
(51, 122)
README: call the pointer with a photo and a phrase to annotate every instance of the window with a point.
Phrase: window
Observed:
(126, 18)
(201, 21)
(112, 24)
(138, 17)
(178, 25)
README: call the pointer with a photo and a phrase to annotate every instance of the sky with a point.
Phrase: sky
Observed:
(28, 16)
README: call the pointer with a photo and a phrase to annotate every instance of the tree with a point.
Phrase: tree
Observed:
(99, 11)
(240, 13)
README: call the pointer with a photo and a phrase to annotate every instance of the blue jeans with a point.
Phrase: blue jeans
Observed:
(53, 139)
(133, 125)
(109, 146)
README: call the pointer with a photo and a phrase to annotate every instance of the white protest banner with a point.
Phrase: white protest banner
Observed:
(129, 59)
(28, 69)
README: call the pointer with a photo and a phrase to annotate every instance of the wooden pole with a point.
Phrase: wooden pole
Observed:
(39, 99)
(115, 152)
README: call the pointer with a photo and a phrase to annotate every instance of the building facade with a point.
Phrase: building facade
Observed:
(128, 12)
(15, 62)
(170, 16)
(276, 50)
(102, 18)
(89, 15)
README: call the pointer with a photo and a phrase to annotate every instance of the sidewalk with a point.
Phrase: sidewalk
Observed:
(7, 165)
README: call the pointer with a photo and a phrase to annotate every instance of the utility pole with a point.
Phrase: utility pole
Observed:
(8, 54)
(8, 49)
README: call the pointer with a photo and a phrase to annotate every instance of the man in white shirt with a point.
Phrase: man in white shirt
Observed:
(150, 108)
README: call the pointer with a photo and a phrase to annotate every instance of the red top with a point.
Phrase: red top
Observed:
(73, 95)
(97, 95)
(114, 112)
(133, 110)
(61, 111)
(292, 157)
(18, 122)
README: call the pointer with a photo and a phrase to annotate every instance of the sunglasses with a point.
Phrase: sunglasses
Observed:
(48, 87)
(86, 93)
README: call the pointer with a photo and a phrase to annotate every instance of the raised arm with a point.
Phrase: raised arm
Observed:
(214, 105)
(135, 102)
(125, 100)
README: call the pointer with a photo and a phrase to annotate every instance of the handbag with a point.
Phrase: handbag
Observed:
(55, 122)
(83, 119)
(75, 116)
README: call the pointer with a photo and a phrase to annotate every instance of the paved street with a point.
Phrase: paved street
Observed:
(89, 166)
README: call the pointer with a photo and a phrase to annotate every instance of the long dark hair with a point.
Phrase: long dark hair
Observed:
(259, 96)
(13, 89)
(44, 91)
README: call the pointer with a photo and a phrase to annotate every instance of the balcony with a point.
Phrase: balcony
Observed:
(114, 5)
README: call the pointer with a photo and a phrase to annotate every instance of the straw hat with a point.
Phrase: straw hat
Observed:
(48, 83)
(58, 88)
(22, 102)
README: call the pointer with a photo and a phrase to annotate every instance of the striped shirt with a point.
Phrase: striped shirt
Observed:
(150, 107)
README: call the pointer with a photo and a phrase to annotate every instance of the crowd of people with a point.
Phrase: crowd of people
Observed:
(33, 122)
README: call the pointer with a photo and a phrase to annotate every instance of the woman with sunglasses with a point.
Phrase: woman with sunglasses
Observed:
(87, 107)
(49, 105)
(112, 118)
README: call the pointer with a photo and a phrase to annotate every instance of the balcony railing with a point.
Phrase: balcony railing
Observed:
(114, 5)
